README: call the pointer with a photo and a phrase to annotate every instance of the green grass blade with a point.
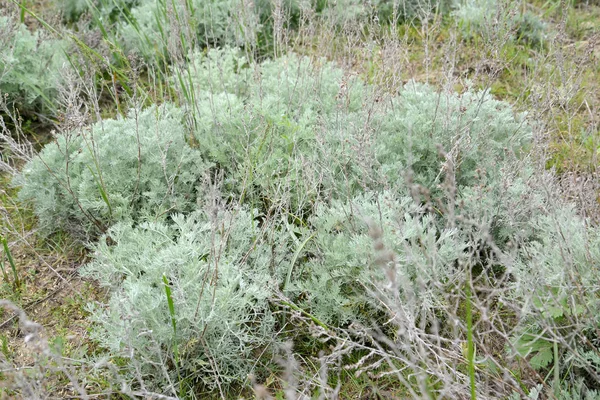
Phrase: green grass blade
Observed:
(556, 382)
(22, 13)
(295, 258)
(173, 320)
(11, 261)
(102, 191)
(312, 317)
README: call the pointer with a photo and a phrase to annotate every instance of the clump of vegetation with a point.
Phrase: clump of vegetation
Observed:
(483, 17)
(193, 293)
(107, 11)
(435, 178)
(134, 168)
(530, 30)
(30, 67)
(473, 209)
(279, 127)
(304, 218)
(434, 134)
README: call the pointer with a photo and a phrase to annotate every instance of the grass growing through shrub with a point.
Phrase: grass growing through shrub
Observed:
(318, 203)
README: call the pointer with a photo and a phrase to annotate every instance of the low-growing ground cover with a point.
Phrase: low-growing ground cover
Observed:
(333, 200)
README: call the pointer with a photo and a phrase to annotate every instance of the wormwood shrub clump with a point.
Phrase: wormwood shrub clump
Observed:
(222, 271)
(462, 192)
(133, 168)
(479, 17)
(560, 266)
(30, 66)
(286, 133)
(305, 136)
(434, 134)
(357, 205)
(223, 22)
(151, 23)
(382, 259)
(333, 282)
(283, 130)
(427, 241)
(307, 130)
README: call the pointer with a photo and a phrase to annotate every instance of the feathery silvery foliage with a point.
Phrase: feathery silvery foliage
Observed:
(344, 267)
(433, 134)
(153, 22)
(494, 227)
(363, 204)
(134, 168)
(291, 121)
(480, 17)
(314, 130)
(30, 66)
(219, 266)
(298, 128)
(288, 126)
(345, 11)
(279, 129)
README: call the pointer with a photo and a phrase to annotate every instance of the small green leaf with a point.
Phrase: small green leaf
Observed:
(554, 312)
(542, 359)
(529, 343)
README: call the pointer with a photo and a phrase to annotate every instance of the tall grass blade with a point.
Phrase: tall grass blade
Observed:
(11, 261)
(173, 320)
(294, 259)
(102, 191)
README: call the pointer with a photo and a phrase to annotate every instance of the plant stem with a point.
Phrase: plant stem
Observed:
(470, 344)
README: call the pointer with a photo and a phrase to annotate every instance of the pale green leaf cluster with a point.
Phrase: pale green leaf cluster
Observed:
(562, 250)
(431, 133)
(558, 272)
(30, 66)
(220, 270)
(344, 265)
(279, 130)
(578, 391)
(303, 127)
(480, 17)
(320, 189)
(134, 168)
